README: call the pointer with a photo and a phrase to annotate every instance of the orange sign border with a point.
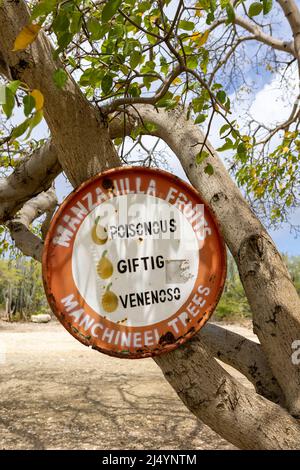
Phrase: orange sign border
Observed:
(165, 346)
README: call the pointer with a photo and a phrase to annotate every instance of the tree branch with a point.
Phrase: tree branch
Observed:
(235, 412)
(119, 102)
(24, 238)
(244, 355)
(31, 177)
(49, 214)
(261, 36)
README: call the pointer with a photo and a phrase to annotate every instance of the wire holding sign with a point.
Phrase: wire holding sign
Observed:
(134, 263)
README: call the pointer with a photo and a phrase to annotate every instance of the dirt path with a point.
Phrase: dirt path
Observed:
(57, 394)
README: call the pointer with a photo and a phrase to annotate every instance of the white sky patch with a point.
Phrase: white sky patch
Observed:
(271, 105)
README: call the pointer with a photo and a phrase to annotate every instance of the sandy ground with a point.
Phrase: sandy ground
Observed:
(58, 394)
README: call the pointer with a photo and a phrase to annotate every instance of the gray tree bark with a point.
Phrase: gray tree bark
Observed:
(272, 296)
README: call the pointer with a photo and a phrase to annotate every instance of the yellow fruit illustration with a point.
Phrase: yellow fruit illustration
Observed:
(104, 267)
(99, 233)
(109, 301)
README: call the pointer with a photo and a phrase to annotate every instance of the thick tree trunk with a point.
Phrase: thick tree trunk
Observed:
(273, 298)
(29, 179)
(29, 243)
(245, 356)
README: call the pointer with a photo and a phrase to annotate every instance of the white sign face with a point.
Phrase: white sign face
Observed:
(152, 274)
(133, 263)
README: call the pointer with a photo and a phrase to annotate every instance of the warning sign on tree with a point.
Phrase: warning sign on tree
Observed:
(133, 263)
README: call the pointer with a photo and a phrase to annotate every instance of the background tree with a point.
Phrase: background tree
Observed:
(103, 70)
(21, 289)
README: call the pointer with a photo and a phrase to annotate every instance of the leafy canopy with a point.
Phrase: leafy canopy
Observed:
(170, 52)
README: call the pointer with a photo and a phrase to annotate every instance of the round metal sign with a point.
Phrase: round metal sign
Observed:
(133, 263)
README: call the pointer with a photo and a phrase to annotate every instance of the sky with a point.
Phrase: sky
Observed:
(267, 103)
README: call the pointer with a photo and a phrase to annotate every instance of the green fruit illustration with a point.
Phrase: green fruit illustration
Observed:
(109, 300)
(99, 233)
(104, 267)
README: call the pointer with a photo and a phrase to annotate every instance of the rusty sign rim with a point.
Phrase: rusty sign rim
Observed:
(206, 316)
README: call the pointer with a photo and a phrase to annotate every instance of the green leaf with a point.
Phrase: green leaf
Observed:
(227, 146)
(92, 77)
(2, 94)
(209, 170)
(64, 40)
(204, 61)
(106, 84)
(14, 85)
(135, 59)
(60, 78)
(19, 130)
(118, 141)
(200, 118)
(167, 101)
(267, 6)
(255, 9)
(72, 62)
(164, 66)
(61, 23)
(221, 96)
(76, 22)
(116, 32)
(145, 129)
(230, 13)
(94, 26)
(9, 104)
(110, 9)
(148, 67)
(186, 25)
(192, 62)
(168, 104)
(96, 29)
(198, 103)
(201, 156)
(35, 120)
(44, 7)
(224, 128)
(147, 81)
(242, 152)
(152, 40)
(29, 104)
(10, 92)
(150, 127)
